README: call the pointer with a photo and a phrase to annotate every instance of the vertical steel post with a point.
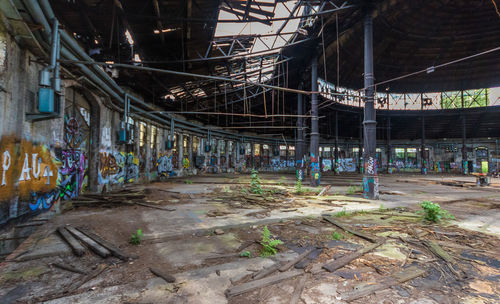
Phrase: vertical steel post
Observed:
(370, 178)
(336, 141)
(389, 147)
(423, 161)
(181, 151)
(465, 164)
(314, 146)
(299, 149)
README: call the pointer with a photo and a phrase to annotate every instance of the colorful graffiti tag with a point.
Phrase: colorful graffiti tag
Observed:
(164, 165)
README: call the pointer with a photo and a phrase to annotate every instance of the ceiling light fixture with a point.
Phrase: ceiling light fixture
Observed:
(129, 37)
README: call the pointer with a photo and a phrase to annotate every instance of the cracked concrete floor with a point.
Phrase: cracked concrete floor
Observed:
(183, 241)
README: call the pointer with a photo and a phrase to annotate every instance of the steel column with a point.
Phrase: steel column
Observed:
(370, 178)
(314, 146)
(389, 148)
(464, 146)
(423, 160)
(336, 141)
(299, 149)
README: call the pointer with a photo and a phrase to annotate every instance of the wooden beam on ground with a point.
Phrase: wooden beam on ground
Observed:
(75, 285)
(76, 247)
(357, 233)
(346, 259)
(266, 271)
(155, 207)
(396, 279)
(256, 284)
(298, 289)
(69, 268)
(292, 263)
(168, 278)
(106, 244)
(101, 251)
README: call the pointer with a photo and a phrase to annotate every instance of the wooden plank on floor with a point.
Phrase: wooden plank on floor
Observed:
(396, 279)
(256, 284)
(101, 251)
(346, 259)
(76, 247)
(357, 233)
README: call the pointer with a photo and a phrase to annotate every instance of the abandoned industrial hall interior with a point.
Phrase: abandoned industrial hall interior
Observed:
(250, 151)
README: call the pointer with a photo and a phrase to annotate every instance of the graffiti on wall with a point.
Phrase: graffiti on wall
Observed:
(118, 167)
(327, 164)
(29, 177)
(164, 165)
(346, 165)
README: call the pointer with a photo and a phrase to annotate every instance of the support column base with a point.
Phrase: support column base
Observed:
(370, 187)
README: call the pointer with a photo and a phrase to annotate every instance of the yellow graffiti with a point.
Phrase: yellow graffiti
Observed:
(25, 167)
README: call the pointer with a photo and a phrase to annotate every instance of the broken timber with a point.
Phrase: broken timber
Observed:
(101, 251)
(74, 286)
(77, 248)
(256, 284)
(168, 278)
(266, 271)
(346, 259)
(357, 233)
(104, 243)
(398, 278)
(292, 263)
(69, 268)
(298, 289)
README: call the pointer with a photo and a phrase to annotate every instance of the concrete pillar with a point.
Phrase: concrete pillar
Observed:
(252, 147)
(314, 146)
(226, 153)
(217, 147)
(237, 152)
(190, 151)
(370, 178)
(148, 155)
(180, 145)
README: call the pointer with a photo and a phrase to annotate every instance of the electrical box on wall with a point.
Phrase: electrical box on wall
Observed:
(46, 100)
(168, 145)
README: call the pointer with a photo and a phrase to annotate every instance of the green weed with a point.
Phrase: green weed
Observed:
(340, 213)
(187, 181)
(433, 212)
(352, 189)
(255, 186)
(336, 236)
(298, 187)
(136, 237)
(269, 245)
(246, 254)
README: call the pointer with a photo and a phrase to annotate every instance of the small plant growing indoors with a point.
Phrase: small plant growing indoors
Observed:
(255, 186)
(336, 236)
(187, 181)
(268, 244)
(352, 190)
(340, 213)
(298, 187)
(136, 237)
(433, 213)
(246, 254)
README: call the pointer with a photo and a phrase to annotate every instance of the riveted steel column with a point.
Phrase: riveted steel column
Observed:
(423, 161)
(335, 167)
(314, 147)
(370, 178)
(299, 149)
(389, 147)
(465, 164)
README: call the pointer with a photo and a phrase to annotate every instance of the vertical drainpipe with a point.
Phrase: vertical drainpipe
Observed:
(299, 149)
(314, 146)
(370, 178)
(423, 161)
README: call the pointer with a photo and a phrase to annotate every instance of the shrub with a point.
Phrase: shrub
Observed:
(246, 254)
(269, 245)
(136, 237)
(298, 187)
(255, 186)
(336, 236)
(341, 213)
(433, 212)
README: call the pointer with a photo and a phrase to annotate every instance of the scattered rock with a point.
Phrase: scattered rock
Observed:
(218, 231)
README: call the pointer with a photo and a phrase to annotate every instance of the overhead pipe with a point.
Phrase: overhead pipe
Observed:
(39, 10)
